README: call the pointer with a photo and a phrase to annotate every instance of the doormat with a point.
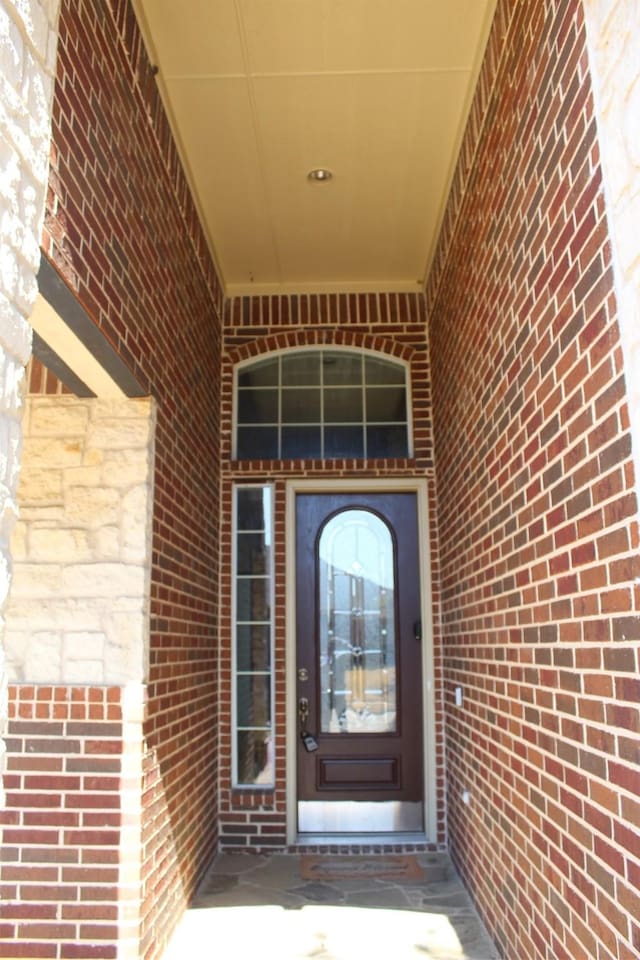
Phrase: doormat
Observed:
(393, 867)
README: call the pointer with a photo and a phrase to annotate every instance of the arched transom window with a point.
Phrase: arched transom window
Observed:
(319, 403)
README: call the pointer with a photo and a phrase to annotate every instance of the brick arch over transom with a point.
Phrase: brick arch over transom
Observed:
(300, 339)
(393, 327)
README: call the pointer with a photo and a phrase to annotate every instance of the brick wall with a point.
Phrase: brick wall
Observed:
(537, 509)
(66, 887)
(393, 324)
(122, 230)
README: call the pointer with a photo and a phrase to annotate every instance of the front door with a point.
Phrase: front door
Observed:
(359, 676)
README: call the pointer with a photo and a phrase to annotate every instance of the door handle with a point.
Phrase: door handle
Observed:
(303, 713)
(309, 742)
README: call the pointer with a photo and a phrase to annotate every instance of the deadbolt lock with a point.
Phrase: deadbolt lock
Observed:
(303, 674)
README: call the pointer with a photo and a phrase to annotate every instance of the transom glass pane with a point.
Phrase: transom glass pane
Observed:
(357, 625)
(301, 369)
(343, 405)
(261, 374)
(342, 369)
(301, 405)
(320, 404)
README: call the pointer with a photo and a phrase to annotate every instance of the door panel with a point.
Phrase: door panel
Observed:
(358, 658)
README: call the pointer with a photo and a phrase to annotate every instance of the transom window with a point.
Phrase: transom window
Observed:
(321, 404)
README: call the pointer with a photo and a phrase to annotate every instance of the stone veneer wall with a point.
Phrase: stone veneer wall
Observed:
(79, 604)
(613, 37)
(538, 503)
(27, 61)
(77, 655)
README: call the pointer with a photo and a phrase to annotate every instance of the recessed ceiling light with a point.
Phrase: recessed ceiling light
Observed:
(320, 174)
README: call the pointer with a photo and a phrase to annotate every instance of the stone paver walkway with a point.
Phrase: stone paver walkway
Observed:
(252, 906)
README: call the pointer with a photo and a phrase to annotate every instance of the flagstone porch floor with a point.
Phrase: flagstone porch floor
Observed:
(254, 906)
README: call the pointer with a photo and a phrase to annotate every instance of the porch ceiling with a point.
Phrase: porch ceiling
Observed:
(259, 92)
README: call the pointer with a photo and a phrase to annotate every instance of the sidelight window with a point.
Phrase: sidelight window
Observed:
(322, 404)
(253, 637)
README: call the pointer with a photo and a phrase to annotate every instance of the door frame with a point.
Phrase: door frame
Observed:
(415, 485)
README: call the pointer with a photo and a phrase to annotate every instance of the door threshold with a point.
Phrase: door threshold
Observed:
(360, 840)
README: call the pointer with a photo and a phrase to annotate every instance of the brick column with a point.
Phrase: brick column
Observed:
(28, 37)
(614, 56)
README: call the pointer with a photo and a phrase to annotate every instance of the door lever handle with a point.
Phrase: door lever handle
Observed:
(309, 742)
(303, 713)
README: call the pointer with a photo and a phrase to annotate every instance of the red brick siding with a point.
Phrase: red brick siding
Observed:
(122, 229)
(41, 381)
(394, 325)
(61, 823)
(537, 510)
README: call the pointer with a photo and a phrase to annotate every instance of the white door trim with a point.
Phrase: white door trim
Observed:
(415, 485)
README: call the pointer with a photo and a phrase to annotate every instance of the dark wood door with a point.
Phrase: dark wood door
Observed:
(359, 677)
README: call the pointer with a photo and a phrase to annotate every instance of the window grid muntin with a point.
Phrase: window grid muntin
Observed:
(242, 730)
(389, 364)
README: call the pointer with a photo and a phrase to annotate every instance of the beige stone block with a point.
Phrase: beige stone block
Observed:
(59, 613)
(84, 645)
(19, 541)
(31, 513)
(125, 468)
(134, 702)
(43, 660)
(122, 665)
(83, 671)
(47, 453)
(93, 457)
(11, 47)
(113, 407)
(35, 22)
(102, 580)
(15, 332)
(16, 643)
(39, 486)
(57, 418)
(36, 580)
(93, 507)
(49, 545)
(27, 287)
(118, 434)
(14, 444)
(135, 551)
(10, 447)
(11, 387)
(125, 646)
(135, 525)
(88, 475)
(8, 514)
(9, 270)
(105, 543)
(135, 506)
(5, 578)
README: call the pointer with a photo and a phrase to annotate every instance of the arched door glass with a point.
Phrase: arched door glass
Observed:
(357, 643)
